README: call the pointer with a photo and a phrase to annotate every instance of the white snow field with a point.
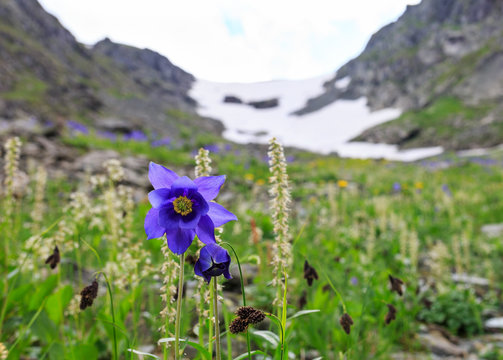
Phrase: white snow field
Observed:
(324, 131)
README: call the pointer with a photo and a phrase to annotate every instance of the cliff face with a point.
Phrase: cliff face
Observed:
(439, 50)
(45, 72)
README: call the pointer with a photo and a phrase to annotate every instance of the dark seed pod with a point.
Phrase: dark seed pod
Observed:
(245, 311)
(396, 285)
(310, 273)
(391, 315)
(88, 294)
(256, 317)
(238, 325)
(346, 323)
(54, 259)
(303, 300)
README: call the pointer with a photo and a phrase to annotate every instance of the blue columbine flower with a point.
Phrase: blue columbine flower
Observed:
(182, 208)
(213, 261)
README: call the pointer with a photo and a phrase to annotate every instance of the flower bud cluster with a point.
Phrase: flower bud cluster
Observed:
(280, 192)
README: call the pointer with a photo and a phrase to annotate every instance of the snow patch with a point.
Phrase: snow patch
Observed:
(324, 131)
(343, 83)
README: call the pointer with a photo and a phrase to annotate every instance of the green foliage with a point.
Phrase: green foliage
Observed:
(457, 310)
(27, 88)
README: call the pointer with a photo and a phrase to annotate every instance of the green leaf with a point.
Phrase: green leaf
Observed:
(43, 290)
(303, 312)
(141, 353)
(254, 352)
(202, 350)
(57, 302)
(269, 336)
(83, 352)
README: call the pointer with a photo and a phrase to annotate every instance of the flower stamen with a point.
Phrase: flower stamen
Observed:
(182, 205)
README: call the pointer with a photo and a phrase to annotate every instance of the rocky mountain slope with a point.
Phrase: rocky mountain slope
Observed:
(45, 72)
(441, 62)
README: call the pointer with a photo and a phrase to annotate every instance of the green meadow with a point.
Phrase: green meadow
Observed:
(355, 222)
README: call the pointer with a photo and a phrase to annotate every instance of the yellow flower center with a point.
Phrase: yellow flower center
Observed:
(182, 205)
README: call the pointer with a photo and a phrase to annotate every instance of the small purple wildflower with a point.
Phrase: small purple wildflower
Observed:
(213, 261)
(397, 187)
(354, 281)
(446, 190)
(107, 135)
(77, 127)
(212, 148)
(136, 135)
(228, 147)
(182, 208)
(161, 142)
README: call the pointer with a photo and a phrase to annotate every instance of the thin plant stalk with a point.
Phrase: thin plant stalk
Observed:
(227, 337)
(210, 327)
(242, 293)
(217, 325)
(113, 314)
(179, 307)
(279, 322)
(200, 331)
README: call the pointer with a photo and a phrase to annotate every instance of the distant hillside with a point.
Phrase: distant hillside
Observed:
(45, 72)
(441, 62)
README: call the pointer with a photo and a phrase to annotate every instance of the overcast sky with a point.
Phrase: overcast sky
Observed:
(235, 40)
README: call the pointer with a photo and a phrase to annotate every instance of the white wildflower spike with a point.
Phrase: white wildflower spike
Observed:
(203, 168)
(37, 213)
(114, 169)
(12, 153)
(4, 353)
(280, 192)
(203, 163)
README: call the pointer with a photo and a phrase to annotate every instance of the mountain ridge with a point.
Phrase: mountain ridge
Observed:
(437, 50)
(46, 72)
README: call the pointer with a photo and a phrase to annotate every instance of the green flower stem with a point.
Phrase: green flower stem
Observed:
(227, 337)
(242, 292)
(179, 308)
(210, 325)
(278, 321)
(113, 314)
(201, 320)
(217, 326)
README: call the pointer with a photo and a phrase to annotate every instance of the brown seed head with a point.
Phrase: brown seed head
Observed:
(238, 325)
(54, 259)
(303, 300)
(88, 294)
(310, 273)
(391, 315)
(244, 311)
(256, 317)
(396, 285)
(346, 323)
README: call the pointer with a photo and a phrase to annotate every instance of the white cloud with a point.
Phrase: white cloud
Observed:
(277, 39)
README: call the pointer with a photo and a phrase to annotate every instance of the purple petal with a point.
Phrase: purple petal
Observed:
(168, 218)
(182, 185)
(159, 197)
(220, 215)
(190, 221)
(205, 230)
(199, 203)
(179, 240)
(160, 177)
(204, 260)
(152, 228)
(218, 253)
(209, 186)
(227, 274)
